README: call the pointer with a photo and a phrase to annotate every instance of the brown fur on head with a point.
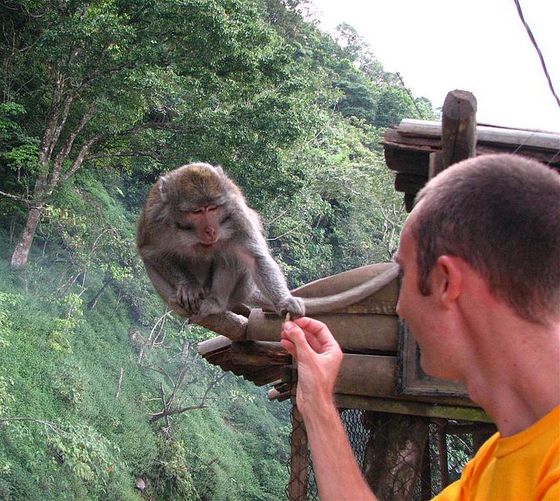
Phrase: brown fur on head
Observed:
(196, 185)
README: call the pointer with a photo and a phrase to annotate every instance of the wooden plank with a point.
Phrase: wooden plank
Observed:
(486, 134)
(411, 408)
(458, 129)
(435, 165)
(355, 332)
(227, 324)
(214, 344)
(376, 376)
(371, 375)
(395, 139)
(259, 353)
(417, 154)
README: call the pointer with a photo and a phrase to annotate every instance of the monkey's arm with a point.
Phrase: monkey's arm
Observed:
(270, 280)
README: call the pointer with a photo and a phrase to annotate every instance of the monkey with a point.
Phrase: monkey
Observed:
(204, 249)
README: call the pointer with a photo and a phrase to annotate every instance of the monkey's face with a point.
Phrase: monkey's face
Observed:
(204, 222)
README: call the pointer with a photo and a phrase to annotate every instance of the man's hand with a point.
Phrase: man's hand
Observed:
(318, 357)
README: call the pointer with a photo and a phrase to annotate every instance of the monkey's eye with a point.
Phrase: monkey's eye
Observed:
(206, 208)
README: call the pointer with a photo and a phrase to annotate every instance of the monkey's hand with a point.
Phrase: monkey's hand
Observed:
(189, 298)
(292, 305)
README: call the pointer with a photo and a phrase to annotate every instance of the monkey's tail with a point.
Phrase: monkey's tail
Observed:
(314, 305)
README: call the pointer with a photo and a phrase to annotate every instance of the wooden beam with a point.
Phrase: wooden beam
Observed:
(299, 462)
(371, 375)
(413, 129)
(259, 353)
(227, 324)
(355, 332)
(458, 128)
(214, 344)
(411, 408)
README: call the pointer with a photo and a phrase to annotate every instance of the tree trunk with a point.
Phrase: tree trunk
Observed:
(23, 246)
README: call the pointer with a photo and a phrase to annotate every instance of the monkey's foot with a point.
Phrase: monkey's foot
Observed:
(189, 298)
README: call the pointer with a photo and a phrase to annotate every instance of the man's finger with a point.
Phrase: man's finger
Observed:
(289, 347)
(317, 333)
(292, 333)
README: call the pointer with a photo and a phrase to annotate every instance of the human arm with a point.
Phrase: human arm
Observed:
(318, 357)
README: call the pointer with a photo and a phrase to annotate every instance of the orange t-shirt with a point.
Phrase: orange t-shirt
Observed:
(522, 467)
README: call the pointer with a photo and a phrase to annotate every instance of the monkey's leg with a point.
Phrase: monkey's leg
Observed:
(226, 274)
(176, 289)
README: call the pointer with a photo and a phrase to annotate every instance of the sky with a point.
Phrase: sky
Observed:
(475, 45)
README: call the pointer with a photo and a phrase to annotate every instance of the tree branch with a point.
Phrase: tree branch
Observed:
(25, 201)
(67, 147)
(126, 155)
(47, 424)
(170, 412)
(79, 160)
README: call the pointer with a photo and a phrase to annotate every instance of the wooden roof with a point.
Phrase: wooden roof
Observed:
(409, 145)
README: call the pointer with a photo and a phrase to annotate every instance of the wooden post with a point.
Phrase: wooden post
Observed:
(299, 458)
(458, 127)
(435, 165)
(442, 454)
(426, 474)
(393, 454)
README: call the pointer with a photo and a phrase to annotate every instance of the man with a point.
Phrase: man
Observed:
(480, 292)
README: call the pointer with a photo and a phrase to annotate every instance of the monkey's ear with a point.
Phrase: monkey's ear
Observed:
(163, 188)
(219, 170)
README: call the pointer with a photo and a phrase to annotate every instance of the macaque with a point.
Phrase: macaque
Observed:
(204, 249)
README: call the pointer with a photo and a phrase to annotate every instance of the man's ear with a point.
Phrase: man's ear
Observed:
(447, 278)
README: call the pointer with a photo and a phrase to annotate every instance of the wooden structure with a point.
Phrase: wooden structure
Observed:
(411, 147)
(368, 333)
(380, 371)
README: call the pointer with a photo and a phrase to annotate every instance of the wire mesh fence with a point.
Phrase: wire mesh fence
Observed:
(402, 457)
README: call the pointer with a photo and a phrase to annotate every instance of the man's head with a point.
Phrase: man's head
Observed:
(501, 215)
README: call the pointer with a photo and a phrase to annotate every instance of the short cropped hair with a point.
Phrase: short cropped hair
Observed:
(501, 214)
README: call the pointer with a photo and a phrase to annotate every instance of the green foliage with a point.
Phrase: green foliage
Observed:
(19, 149)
